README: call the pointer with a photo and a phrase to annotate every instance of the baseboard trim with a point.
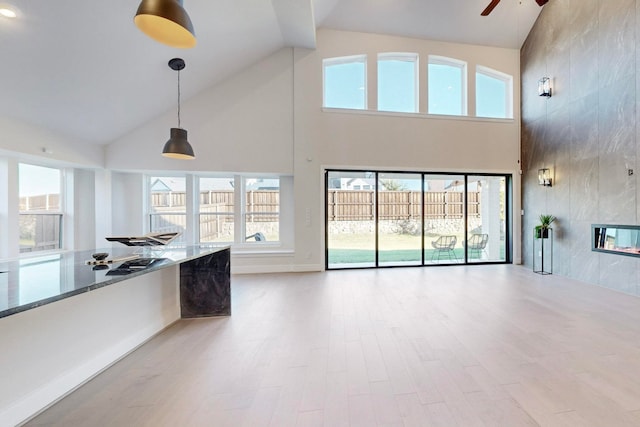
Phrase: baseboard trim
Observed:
(258, 269)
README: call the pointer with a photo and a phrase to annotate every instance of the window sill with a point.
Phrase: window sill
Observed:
(244, 252)
(33, 254)
(416, 115)
(257, 249)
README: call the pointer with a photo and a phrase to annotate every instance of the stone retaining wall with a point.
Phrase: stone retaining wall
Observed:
(435, 226)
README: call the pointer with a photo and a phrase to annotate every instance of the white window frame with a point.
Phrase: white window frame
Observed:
(242, 213)
(151, 213)
(327, 62)
(404, 57)
(198, 214)
(504, 77)
(61, 210)
(457, 63)
(192, 210)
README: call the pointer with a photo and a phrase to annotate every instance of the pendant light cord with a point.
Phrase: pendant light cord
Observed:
(179, 99)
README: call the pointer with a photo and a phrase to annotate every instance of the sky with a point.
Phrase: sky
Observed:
(36, 180)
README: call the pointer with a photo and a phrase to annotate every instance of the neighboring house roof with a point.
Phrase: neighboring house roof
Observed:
(159, 186)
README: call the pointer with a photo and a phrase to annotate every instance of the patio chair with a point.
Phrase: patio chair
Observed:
(444, 246)
(477, 244)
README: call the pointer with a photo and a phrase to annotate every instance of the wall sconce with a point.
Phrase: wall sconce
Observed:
(544, 87)
(544, 177)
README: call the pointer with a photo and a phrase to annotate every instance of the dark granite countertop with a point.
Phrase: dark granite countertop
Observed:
(28, 283)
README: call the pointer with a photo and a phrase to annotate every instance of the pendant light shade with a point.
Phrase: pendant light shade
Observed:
(167, 22)
(177, 147)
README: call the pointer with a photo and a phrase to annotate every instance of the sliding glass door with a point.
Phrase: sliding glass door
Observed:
(444, 219)
(388, 219)
(487, 214)
(399, 219)
(351, 219)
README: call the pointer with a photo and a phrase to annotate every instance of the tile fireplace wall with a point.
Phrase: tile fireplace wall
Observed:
(586, 133)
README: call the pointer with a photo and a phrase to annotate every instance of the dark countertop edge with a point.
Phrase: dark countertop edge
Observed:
(209, 251)
(115, 279)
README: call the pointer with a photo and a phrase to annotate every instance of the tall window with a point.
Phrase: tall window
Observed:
(217, 220)
(168, 207)
(398, 82)
(447, 86)
(494, 93)
(40, 223)
(261, 208)
(345, 83)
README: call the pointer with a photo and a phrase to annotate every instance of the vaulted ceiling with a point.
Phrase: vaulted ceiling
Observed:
(83, 69)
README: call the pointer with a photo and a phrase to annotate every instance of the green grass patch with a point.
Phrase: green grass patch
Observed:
(358, 256)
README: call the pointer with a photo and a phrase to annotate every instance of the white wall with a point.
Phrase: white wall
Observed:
(49, 350)
(79, 226)
(27, 141)
(103, 202)
(325, 139)
(269, 119)
(9, 199)
(128, 205)
(22, 142)
(241, 125)
(84, 209)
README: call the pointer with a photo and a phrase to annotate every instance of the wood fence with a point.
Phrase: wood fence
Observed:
(39, 231)
(261, 205)
(342, 205)
(42, 202)
(216, 212)
(349, 205)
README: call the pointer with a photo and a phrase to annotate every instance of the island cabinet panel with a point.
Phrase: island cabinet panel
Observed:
(205, 286)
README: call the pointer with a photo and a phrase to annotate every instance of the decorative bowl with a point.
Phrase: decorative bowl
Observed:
(99, 256)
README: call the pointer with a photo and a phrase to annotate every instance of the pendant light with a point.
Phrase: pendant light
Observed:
(167, 22)
(177, 147)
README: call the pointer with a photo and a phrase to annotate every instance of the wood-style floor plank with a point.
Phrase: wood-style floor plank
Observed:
(461, 346)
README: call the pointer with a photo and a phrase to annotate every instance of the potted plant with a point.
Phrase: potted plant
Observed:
(542, 229)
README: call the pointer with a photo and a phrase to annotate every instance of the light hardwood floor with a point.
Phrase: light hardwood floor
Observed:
(440, 346)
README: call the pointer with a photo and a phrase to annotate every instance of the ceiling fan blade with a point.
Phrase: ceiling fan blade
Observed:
(541, 2)
(491, 6)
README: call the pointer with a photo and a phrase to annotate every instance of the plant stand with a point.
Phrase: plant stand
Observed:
(543, 252)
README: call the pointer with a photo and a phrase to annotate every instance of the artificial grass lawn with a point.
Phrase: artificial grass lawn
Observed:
(358, 248)
(356, 256)
(394, 248)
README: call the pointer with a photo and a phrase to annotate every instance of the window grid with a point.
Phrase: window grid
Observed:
(458, 100)
(261, 209)
(217, 218)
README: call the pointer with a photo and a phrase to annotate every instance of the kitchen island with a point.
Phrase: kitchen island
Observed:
(63, 321)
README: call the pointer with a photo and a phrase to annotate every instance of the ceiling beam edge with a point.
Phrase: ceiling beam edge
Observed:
(297, 22)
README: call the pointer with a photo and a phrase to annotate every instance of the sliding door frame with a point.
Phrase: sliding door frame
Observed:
(508, 249)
